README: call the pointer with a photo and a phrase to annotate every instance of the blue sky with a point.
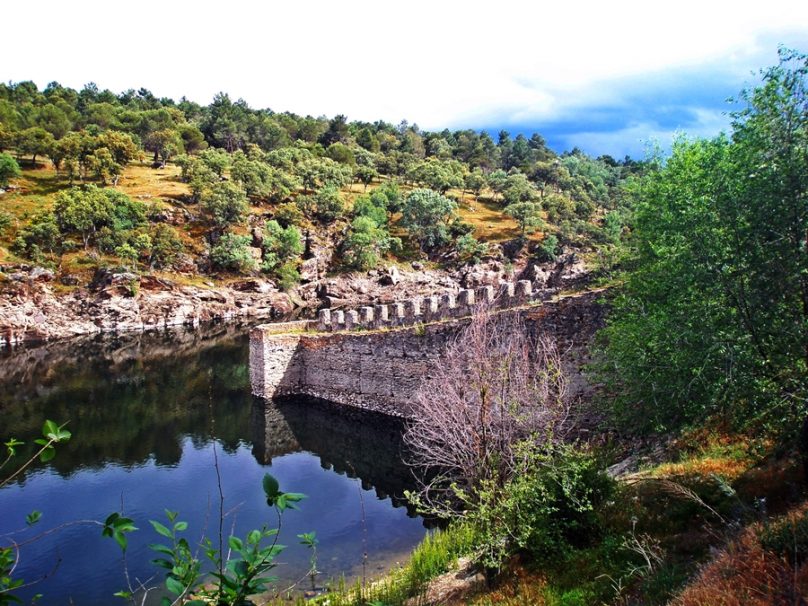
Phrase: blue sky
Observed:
(604, 76)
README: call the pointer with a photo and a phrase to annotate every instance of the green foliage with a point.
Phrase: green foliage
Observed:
(526, 214)
(326, 205)
(373, 206)
(224, 205)
(232, 253)
(88, 209)
(41, 234)
(548, 249)
(548, 507)
(237, 577)
(281, 251)
(52, 434)
(438, 174)
(366, 242)
(166, 246)
(714, 320)
(288, 214)
(8, 169)
(426, 215)
(470, 249)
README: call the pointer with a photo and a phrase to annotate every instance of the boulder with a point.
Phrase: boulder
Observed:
(391, 276)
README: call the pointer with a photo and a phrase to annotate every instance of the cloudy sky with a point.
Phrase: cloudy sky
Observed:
(605, 76)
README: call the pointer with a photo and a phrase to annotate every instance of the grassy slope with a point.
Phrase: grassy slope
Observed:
(162, 188)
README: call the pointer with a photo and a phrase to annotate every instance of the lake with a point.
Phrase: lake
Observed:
(150, 416)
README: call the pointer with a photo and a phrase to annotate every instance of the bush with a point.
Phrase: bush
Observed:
(547, 508)
(8, 169)
(232, 253)
(470, 249)
(548, 249)
(166, 246)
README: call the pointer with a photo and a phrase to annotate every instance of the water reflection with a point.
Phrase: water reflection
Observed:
(142, 410)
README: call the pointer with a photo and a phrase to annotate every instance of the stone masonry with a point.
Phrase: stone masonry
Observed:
(376, 358)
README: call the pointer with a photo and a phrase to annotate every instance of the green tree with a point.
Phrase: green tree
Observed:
(714, 319)
(8, 169)
(526, 214)
(224, 205)
(166, 246)
(232, 253)
(366, 242)
(426, 215)
(35, 141)
(281, 245)
(83, 210)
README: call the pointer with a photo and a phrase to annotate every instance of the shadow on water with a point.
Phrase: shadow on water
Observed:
(143, 409)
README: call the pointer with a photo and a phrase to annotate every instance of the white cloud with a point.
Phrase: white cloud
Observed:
(437, 63)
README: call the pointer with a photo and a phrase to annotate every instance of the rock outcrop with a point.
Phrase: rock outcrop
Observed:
(32, 309)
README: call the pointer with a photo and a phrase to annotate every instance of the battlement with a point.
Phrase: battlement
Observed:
(426, 309)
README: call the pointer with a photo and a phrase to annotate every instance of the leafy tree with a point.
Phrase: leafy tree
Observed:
(87, 209)
(366, 242)
(437, 174)
(526, 214)
(475, 182)
(326, 205)
(339, 152)
(41, 234)
(548, 249)
(373, 206)
(320, 172)
(470, 249)
(366, 174)
(166, 246)
(35, 141)
(281, 245)
(232, 253)
(426, 215)
(714, 319)
(165, 144)
(517, 188)
(8, 169)
(224, 205)
(217, 160)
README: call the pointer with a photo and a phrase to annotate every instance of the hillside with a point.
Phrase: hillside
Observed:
(306, 212)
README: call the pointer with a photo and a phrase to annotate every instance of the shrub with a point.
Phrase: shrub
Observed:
(548, 507)
(232, 253)
(548, 249)
(470, 249)
(8, 169)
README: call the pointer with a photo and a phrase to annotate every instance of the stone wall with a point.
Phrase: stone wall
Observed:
(427, 309)
(382, 370)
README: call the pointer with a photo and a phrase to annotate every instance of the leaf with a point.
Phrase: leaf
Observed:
(175, 586)
(120, 539)
(159, 548)
(235, 543)
(50, 429)
(254, 537)
(160, 529)
(47, 454)
(33, 517)
(271, 487)
(122, 594)
(180, 526)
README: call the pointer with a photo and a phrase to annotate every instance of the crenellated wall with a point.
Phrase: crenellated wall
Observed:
(427, 309)
(380, 370)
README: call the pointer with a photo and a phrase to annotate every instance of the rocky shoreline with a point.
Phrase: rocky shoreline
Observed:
(34, 309)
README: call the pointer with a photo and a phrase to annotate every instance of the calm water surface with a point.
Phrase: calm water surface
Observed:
(147, 413)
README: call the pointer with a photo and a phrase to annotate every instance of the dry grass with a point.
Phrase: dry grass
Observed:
(143, 182)
(746, 574)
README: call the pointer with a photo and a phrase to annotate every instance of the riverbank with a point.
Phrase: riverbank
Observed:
(36, 305)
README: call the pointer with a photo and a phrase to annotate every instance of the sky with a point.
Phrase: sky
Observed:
(607, 77)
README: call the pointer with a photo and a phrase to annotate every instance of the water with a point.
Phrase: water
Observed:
(143, 410)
